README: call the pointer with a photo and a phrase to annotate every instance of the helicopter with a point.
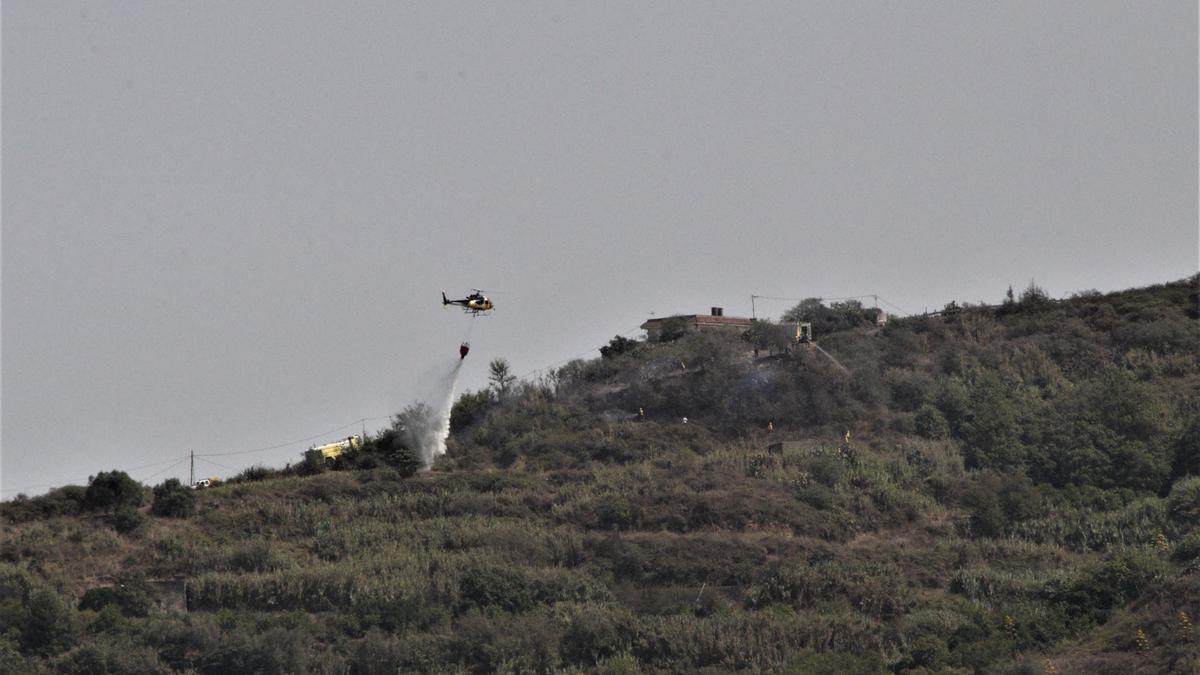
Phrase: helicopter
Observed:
(475, 304)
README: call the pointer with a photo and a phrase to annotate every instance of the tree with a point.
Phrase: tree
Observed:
(617, 346)
(501, 378)
(48, 624)
(469, 407)
(1187, 451)
(1131, 408)
(930, 423)
(1183, 504)
(126, 518)
(313, 464)
(838, 316)
(173, 499)
(848, 313)
(404, 460)
(111, 489)
(769, 336)
(1033, 295)
(673, 328)
(992, 428)
(807, 310)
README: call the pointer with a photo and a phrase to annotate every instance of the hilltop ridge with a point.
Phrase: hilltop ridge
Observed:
(1010, 488)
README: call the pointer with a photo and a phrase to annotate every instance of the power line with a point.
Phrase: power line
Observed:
(817, 297)
(176, 460)
(875, 296)
(227, 468)
(181, 461)
(283, 445)
(901, 310)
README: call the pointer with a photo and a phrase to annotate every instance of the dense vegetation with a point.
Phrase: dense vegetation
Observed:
(1008, 489)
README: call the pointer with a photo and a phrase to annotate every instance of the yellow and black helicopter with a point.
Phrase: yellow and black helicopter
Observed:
(475, 304)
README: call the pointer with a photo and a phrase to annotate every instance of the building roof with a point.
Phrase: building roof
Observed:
(702, 319)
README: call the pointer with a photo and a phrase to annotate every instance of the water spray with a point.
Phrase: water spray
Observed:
(427, 423)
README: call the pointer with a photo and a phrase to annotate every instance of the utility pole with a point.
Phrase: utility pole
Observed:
(192, 473)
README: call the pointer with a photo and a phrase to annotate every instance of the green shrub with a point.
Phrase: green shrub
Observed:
(928, 652)
(760, 641)
(1187, 451)
(312, 464)
(126, 519)
(469, 409)
(394, 449)
(843, 663)
(997, 502)
(495, 586)
(518, 590)
(112, 489)
(258, 556)
(1089, 597)
(617, 346)
(389, 612)
(15, 582)
(1108, 525)
(837, 316)
(103, 657)
(253, 474)
(47, 626)
(378, 653)
(992, 425)
(673, 328)
(874, 589)
(597, 633)
(501, 642)
(173, 499)
(1187, 549)
(1183, 504)
(908, 389)
(930, 423)
(405, 461)
(131, 597)
(64, 501)
(276, 650)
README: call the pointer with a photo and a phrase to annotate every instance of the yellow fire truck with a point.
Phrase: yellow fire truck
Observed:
(332, 450)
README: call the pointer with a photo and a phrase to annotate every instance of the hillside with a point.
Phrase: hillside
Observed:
(1010, 489)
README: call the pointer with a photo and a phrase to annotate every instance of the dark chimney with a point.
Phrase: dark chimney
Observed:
(718, 311)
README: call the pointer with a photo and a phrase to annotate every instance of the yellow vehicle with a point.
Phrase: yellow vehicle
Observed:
(332, 450)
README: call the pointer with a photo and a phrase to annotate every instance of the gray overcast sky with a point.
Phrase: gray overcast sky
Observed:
(226, 225)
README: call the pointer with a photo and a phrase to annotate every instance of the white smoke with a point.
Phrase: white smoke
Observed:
(426, 425)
